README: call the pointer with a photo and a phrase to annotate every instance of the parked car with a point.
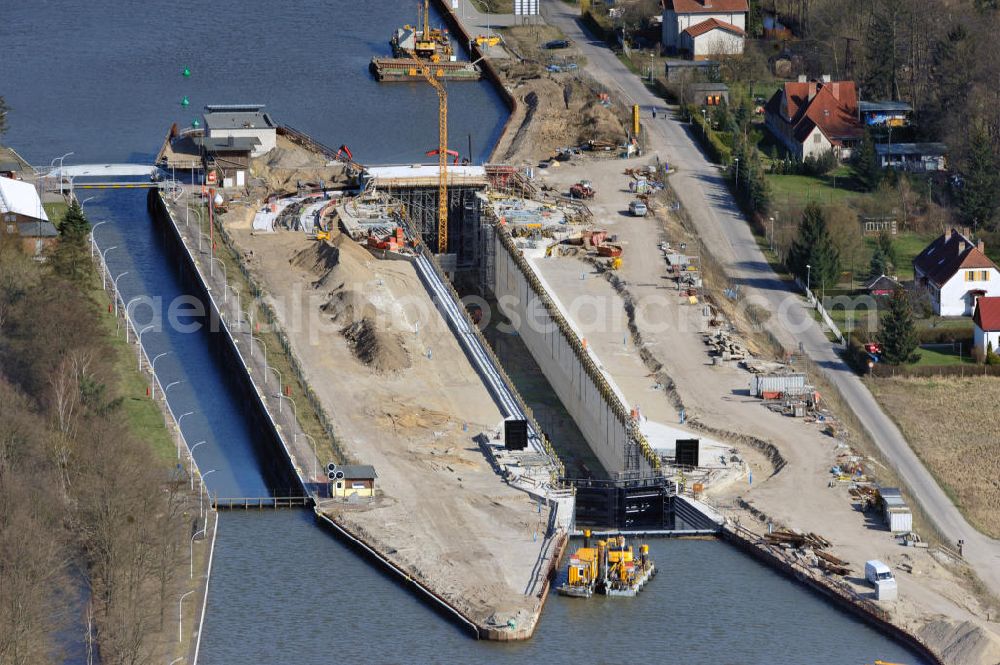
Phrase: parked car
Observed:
(638, 208)
(557, 43)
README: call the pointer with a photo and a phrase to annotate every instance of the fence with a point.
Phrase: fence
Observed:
(168, 413)
(822, 312)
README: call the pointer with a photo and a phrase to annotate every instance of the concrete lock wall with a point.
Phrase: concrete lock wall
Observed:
(607, 433)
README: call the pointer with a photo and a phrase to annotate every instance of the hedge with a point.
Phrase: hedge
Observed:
(717, 151)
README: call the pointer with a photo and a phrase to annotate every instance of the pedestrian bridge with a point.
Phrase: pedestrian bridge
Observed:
(99, 171)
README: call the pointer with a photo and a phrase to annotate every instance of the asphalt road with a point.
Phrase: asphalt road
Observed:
(704, 193)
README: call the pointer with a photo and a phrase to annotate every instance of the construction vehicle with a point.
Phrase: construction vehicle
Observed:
(488, 40)
(442, 152)
(428, 43)
(323, 235)
(582, 190)
(611, 568)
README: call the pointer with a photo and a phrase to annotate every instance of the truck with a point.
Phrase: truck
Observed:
(880, 576)
(582, 190)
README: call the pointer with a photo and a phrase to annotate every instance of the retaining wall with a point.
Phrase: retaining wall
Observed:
(602, 418)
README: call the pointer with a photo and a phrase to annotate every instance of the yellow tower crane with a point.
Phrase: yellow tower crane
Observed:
(442, 151)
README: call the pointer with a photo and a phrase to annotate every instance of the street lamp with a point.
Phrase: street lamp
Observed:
(736, 160)
(60, 160)
(191, 454)
(239, 310)
(141, 332)
(771, 234)
(180, 616)
(195, 535)
(278, 374)
(152, 369)
(704, 125)
(179, 434)
(114, 282)
(104, 264)
(295, 416)
(127, 318)
(171, 385)
(808, 279)
(93, 244)
(315, 455)
(201, 494)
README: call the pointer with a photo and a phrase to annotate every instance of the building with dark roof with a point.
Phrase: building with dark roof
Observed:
(712, 23)
(883, 285)
(955, 273)
(353, 480)
(241, 121)
(813, 117)
(912, 157)
(986, 328)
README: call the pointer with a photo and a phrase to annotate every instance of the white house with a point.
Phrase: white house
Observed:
(19, 202)
(954, 273)
(711, 38)
(987, 325)
(813, 117)
(681, 15)
(241, 122)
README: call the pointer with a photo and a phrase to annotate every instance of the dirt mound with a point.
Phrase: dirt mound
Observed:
(962, 643)
(600, 123)
(319, 258)
(382, 351)
(348, 306)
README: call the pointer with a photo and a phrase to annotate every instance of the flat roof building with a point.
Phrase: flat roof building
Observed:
(241, 121)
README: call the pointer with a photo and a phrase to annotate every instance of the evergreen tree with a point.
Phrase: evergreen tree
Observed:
(979, 188)
(898, 334)
(814, 248)
(866, 166)
(75, 225)
(879, 264)
(4, 110)
(883, 242)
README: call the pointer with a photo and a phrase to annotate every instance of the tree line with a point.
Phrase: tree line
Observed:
(84, 503)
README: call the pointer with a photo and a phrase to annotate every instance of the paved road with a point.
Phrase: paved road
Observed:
(705, 195)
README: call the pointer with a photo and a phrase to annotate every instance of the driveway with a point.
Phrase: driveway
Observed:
(702, 190)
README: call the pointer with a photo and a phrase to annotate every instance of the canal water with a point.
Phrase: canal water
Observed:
(103, 79)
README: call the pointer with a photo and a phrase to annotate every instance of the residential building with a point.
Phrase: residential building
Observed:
(710, 38)
(912, 157)
(813, 117)
(883, 285)
(986, 329)
(954, 273)
(354, 480)
(241, 121)
(23, 217)
(712, 26)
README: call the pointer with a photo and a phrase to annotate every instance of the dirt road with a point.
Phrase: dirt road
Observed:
(704, 193)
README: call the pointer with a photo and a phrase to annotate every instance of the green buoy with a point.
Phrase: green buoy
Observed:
(195, 123)
(187, 72)
(185, 102)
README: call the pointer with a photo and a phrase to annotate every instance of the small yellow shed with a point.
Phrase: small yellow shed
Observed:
(353, 479)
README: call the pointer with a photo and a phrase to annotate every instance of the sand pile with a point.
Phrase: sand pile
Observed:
(348, 306)
(319, 258)
(962, 643)
(380, 350)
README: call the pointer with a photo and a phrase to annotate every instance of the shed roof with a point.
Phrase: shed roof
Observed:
(708, 87)
(705, 27)
(987, 314)
(912, 149)
(885, 107)
(20, 198)
(358, 471)
(707, 6)
(948, 254)
(831, 106)
(236, 117)
(230, 143)
(881, 283)
(39, 229)
(689, 64)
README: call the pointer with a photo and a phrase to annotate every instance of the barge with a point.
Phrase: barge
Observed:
(611, 568)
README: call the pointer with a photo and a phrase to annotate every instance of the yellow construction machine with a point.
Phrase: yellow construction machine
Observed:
(442, 152)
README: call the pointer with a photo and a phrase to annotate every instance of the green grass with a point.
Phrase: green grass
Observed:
(143, 416)
(802, 189)
(55, 211)
(942, 355)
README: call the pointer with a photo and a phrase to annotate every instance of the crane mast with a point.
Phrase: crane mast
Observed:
(442, 153)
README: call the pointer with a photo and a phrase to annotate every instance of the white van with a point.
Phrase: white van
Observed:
(880, 576)
(637, 208)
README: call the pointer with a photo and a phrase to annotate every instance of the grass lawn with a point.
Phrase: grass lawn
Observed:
(144, 417)
(938, 356)
(950, 434)
(801, 189)
(55, 211)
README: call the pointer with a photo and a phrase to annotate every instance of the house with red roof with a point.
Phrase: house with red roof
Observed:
(986, 331)
(705, 28)
(955, 274)
(813, 117)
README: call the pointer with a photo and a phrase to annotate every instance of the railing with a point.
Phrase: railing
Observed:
(169, 415)
(579, 350)
(261, 502)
